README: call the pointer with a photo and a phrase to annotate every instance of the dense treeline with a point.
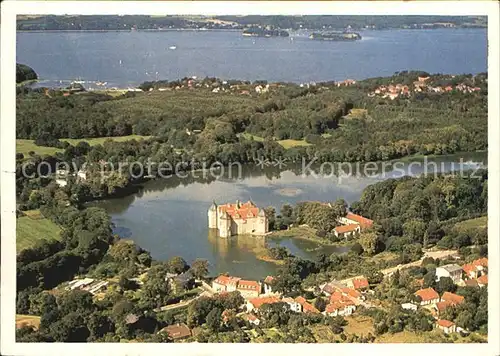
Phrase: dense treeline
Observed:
(341, 22)
(102, 23)
(415, 210)
(107, 23)
(23, 73)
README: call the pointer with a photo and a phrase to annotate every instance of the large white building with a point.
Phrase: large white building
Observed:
(452, 271)
(237, 219)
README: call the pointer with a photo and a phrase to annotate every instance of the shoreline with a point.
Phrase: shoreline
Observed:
(242, 29)
(298, 233)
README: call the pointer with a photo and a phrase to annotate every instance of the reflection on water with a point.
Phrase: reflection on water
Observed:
(168, 217)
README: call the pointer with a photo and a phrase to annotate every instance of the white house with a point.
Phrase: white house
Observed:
(409, 306)
(268, 288)
(447, 326)
(452, 271)
(294, 305)
(427, 296)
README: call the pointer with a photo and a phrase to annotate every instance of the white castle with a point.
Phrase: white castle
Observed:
(237, 219)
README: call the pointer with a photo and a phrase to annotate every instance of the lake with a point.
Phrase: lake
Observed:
(125, 59)
(168, 217)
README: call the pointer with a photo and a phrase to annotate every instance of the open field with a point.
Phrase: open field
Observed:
(101, 140)
(301, 232)
(27, 320)
(25, 146)
(359, 325)
(323, 334)
(34, 227)
(473, 224)
(285, 143)
(293, 143)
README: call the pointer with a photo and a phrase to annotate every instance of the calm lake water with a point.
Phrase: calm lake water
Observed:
(169, 216)
(130, 58)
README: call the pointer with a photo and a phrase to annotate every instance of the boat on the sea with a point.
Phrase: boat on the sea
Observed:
(101, 83)
(172, 47)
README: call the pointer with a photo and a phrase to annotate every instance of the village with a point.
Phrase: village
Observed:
(422, 85)
(344, 297)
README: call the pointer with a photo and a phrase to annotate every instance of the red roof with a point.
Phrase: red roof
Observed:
(483, 279)
(481, 262)
(452, 298)
(441, 306)
(338, 297)
(252, 317)
(258, 302)
(445, 323)
(364, 222)
(351, 292)
(226, 280)
(306, 306)
(330, 308)
(269, 280)
(177, 331)
(427, 294)
(244, 211)
(471, 282)
(360, 283)
(468, 268)
(248, 285)
(346, 228)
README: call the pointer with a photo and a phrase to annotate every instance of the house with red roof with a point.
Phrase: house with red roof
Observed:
(352, 218)
(177, 332)
(447, 326)
(427, 296)
(236, 219)
(453, 298)
(482, 281)
(306, 306)
(256, 303)
(248, 289)
(359, 284)
(476, 268)
(225, 283)
(346, 230)
(252, 319)
(343, 308)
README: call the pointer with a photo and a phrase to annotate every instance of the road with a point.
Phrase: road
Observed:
(389, 271)
(207, 292)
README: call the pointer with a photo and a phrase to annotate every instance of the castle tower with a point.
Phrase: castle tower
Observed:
(224, 225)
(212, 216)
(263, 224)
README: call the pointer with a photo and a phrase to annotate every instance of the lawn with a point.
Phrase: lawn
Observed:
(293, 143)
(33, 228)
(25, 146)
(27, 320)
(250, 136)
